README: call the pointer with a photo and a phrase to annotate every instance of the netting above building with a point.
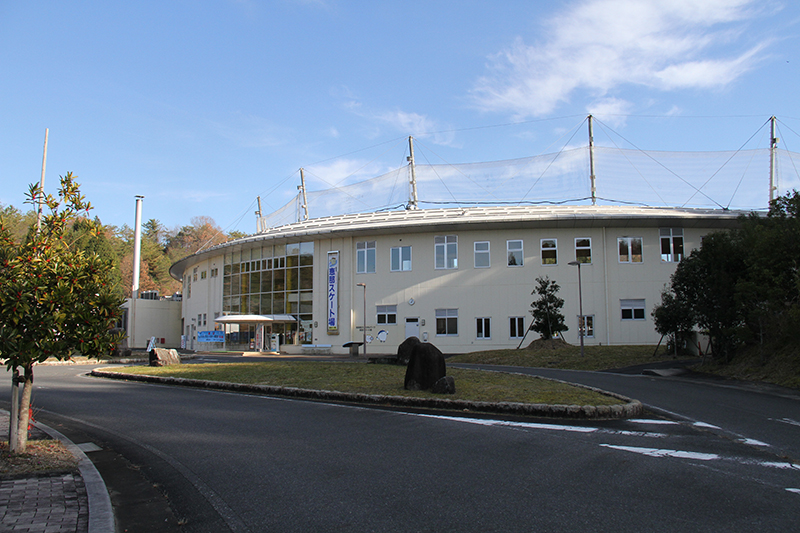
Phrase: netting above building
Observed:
(715, 180)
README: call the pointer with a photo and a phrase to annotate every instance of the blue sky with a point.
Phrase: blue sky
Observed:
(200, 106)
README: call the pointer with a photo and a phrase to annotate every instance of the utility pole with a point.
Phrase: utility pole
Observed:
(412, 204)
(591, 162)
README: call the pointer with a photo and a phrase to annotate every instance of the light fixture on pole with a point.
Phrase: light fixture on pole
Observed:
(581, 319)
(365, 315)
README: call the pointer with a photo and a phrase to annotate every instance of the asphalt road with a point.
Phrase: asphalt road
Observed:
(233, 462)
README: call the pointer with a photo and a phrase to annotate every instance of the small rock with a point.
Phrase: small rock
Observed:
(445, 385)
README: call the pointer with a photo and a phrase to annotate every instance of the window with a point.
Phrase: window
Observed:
(588, 320)
(447, 322)
(203, 274)
(482, 258)
(214, 272)
(549, 252)
(205, 318)
(583, 250)
(516, 327)
(483, 328)
(514, 249)
(671, 244)
(401, 258)
(387, 314)
(194, 274)
(446, 251)
(632, 309)
(630, 249)
(365, 260)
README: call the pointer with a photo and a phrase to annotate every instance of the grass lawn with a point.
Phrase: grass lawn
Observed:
(471, 385)
(558, 354)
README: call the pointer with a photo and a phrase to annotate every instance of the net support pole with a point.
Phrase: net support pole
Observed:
(591, 162)
(773, 155)
(412, 203)
(303, 190)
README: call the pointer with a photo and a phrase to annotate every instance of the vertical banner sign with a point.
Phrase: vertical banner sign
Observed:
(333, 293)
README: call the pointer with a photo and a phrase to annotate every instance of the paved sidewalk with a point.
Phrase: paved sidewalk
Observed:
(73, 502)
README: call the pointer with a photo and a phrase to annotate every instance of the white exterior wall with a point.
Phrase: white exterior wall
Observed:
(497, 293)
(155, 318)
(205, 302)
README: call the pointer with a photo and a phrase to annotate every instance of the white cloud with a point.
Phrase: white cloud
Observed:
(417, 125)
(599, 46)
(341, 172)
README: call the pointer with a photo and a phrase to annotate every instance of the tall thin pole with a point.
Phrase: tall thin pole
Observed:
(364, 322)
(41, 181)
(773, 159)
(412, 204)
(305, 197)
(137, 252)
(591, 162)
(259, 215)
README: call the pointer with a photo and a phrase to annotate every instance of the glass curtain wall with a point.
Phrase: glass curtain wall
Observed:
(272, 280)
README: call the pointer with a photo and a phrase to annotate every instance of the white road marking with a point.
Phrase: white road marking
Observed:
(653, 421)
(705, 425)
(786, 421)
(753, 442)
(655, 452)
(796, 491)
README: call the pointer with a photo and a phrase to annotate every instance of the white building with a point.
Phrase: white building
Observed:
(459, 278)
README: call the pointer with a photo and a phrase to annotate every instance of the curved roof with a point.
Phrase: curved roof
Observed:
(453, 219)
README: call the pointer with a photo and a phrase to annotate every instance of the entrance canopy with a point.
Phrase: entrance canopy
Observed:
(254, 319)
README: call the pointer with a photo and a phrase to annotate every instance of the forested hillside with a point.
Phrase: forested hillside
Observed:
(161, 246)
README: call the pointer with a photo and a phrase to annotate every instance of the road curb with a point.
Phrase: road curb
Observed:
(631, 408)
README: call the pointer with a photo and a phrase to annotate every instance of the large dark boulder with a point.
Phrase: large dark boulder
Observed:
(405, 349)
(425, 367)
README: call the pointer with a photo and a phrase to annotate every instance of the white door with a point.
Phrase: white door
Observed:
(412, 327)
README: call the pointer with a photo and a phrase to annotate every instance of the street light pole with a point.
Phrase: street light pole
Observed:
(581, 319)
(365, 315)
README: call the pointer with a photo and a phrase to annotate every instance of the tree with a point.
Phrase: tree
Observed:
(56, 299)
(673, 317)
(546, 310)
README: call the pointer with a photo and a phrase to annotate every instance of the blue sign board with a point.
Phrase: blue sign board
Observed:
(211, 336)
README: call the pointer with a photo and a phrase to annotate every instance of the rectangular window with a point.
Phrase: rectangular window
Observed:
(549, 251)
(671, 244)
(586, 321)
(446, 251)
(203, 274)
(401, 258)
(214, 272)
(483, 328)
(205, 318)
(447, 322)
(482, 258)
(194, 274)
(516, 327)
(583, 250)
(514, 250)
(632, 309)
(365, 260)
(387, 314)
(630, 249)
